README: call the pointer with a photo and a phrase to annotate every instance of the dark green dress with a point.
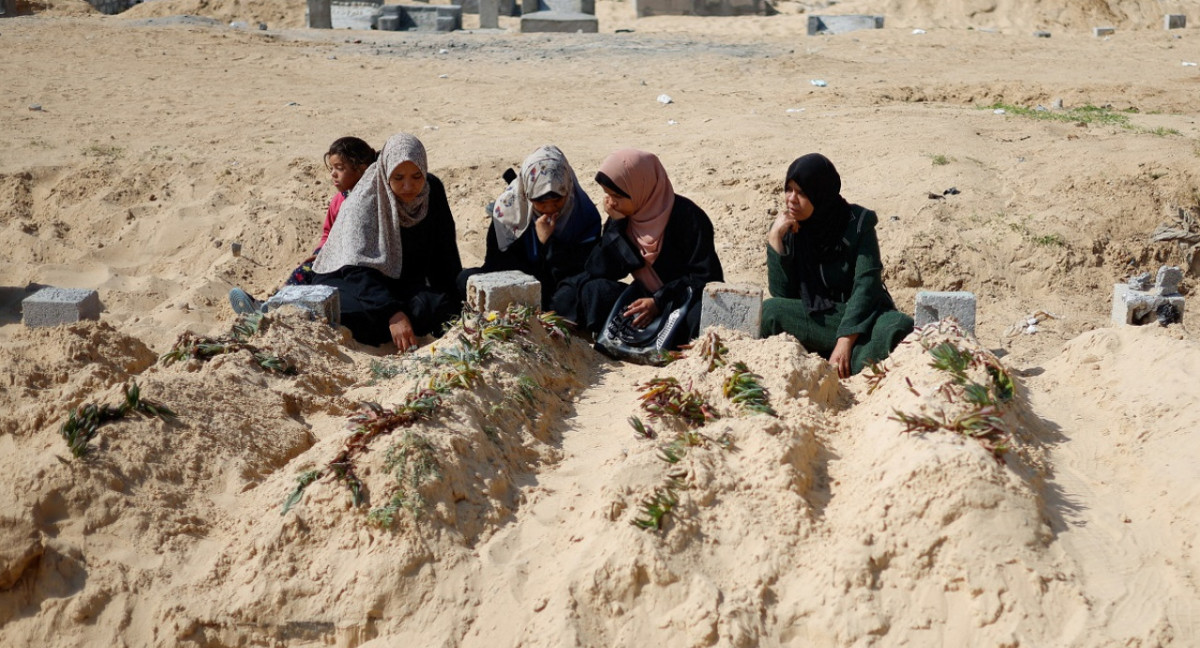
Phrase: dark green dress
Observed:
(854, 278)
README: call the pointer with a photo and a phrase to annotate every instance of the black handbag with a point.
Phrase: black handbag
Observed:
(620, 339)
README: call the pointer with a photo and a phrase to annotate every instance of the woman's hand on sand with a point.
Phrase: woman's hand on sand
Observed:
(783, 225)
(643, 311)
(545, 226)
(402, 332)
(840, 358)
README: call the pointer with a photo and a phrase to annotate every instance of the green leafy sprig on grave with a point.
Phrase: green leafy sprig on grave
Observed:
(204, 348)
(981, 417)
(456, 362)
(84, 423)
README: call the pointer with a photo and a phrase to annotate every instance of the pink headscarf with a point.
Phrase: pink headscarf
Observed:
(640, 175)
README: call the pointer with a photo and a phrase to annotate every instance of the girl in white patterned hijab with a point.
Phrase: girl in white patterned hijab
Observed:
(391, 196)
(544, 172)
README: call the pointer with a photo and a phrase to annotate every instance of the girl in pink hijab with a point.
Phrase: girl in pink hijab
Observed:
(659, 238)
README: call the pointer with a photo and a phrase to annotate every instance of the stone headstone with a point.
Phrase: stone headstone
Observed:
(318, 15)
(563, 6)
(1174, 21)
(8, 8)
(496, 291)
(54, 306)
(322, 301)
(644, 8)
(937, 306)
(425, 18)
(1103, 31)
(354, 15)
(489, 14)
(559, 22)
(734, 306)
(842, 24)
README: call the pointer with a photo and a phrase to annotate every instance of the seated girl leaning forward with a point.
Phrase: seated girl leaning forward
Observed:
(392, 254)
(544, 224)
(825, 274)
(663, 239)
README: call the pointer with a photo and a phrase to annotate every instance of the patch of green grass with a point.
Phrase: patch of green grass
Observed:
(1088, 114)
(940, 160)
(1050, 240)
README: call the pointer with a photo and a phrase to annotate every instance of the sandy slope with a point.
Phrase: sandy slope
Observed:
(162, 140)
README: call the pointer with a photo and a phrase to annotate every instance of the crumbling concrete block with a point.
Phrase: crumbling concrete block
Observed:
(1134, 303)
(323, 301)
(54, 306)
(496, 291)
(842, 24)
(559, 22)
(937, 306)
(1103, 31)
(504, 7)
(1174, 21)
(734, 306)
(319, 14)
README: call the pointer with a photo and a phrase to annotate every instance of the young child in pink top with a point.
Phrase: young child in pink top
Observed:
(347, 160)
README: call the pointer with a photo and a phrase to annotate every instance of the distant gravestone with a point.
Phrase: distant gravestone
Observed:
(559, 22)
(562, 6)
(354, 15)
(1174, 21)
(318, 15)
(426, 18)
(1103, 31)
(503, 8)
(489, 14)
(645, 8)
(734, 306)
(822, 25)
(8, 8)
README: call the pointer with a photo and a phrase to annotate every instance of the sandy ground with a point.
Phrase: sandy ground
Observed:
(137, 148)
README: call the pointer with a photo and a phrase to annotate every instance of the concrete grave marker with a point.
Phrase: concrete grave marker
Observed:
(559, 22)
(1174, 21)
(842, 24)
(322, 301)
(318, 15)
(937, 306)
(1135, 303)
(496, 291)
(734, 306)
(54, 306)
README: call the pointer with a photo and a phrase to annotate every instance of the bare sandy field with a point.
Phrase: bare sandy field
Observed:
(498, 509)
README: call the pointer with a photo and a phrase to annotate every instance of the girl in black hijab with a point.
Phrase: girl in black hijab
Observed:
(825, 274)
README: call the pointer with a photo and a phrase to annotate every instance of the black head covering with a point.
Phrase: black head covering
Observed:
(820, 235)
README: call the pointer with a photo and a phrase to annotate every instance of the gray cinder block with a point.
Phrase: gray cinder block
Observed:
(1103, 31)
(842, 24)
(1174, 21)
(936, 306)
(323, 301)
(555, 21)
(496, 291)
(734, 306)
(54, 306)
(388, 23)
(318, 15)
